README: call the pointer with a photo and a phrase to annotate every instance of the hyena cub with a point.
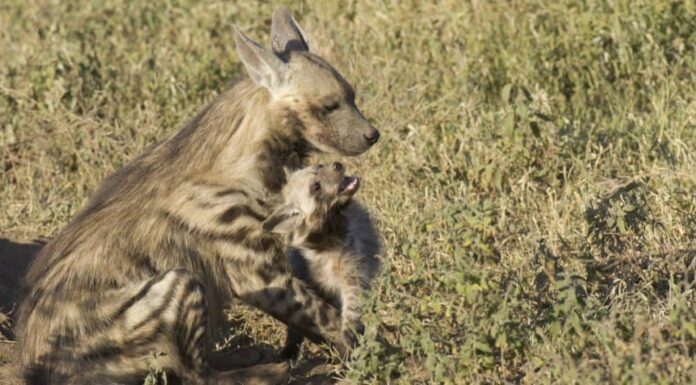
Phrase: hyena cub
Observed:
(335, 244)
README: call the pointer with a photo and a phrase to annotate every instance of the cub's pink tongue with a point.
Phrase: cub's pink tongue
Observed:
(349, 185)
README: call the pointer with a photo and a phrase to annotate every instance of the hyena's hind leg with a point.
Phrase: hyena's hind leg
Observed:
(167, 315)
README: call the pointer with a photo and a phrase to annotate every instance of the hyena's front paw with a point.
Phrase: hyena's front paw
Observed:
(351, 330)
(290, 352)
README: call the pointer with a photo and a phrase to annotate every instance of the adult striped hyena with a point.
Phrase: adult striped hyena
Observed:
(168, 239)
(335, 243)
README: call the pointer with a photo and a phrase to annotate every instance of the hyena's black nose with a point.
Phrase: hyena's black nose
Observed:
(338, 167)
(372, 137)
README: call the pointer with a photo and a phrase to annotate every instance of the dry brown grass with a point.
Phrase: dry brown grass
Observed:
(534, 184)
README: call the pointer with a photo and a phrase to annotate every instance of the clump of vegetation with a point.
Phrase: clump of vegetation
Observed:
(533, 183)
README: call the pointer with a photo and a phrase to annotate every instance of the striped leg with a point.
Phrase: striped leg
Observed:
(291, 301)
(351, 327)
(164, 315)
(352, 293)
(169, 314)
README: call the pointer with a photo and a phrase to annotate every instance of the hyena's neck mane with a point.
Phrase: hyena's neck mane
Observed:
(238, 135)
(241, 134)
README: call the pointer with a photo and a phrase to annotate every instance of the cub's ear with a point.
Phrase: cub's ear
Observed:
(287, 171)
(292, 164)
(284, 220)
(263, 66)
(286, 35)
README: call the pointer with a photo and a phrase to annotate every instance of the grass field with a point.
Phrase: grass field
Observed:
(534, 184)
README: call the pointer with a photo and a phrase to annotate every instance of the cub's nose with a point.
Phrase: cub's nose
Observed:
(372, 137)
(338, 167)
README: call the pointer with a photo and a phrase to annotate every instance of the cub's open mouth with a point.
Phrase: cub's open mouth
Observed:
(349, 185)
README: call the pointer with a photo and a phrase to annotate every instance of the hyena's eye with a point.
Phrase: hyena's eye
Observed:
(331, 107)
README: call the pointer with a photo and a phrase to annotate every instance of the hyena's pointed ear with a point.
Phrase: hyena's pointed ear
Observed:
(286, 35)
(284, 220)
(264, 67)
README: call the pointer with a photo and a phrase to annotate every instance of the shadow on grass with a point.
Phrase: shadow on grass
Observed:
(14, 260)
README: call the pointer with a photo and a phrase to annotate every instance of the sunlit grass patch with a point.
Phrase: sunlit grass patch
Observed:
(534, 182)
